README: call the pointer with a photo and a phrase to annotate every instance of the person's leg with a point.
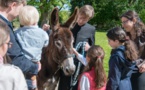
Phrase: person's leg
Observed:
(34, 82)
(29, 83)
(141, 82)
(138, 81)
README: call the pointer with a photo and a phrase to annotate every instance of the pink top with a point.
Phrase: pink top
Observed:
(91, 81)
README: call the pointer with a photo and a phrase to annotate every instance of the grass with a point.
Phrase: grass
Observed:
(101, 39)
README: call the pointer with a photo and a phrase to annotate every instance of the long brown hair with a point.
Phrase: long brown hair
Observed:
(96, 55)
(119, 34)
(139, 26)
(4, 33)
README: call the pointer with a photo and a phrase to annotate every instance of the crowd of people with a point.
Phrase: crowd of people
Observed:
(20, 51)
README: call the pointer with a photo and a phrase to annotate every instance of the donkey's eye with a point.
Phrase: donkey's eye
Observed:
(58, 44)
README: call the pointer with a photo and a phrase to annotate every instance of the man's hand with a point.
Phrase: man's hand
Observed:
(46, 27)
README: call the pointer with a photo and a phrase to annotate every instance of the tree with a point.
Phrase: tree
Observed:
(45, 7)
(108, 12)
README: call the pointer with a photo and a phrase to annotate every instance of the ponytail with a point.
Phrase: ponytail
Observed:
(100, 73)
(96, 55)
(131, 52)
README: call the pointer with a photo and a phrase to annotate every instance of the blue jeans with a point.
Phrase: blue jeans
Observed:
(29, 83)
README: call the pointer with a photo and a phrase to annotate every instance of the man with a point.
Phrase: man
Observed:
(9, 10)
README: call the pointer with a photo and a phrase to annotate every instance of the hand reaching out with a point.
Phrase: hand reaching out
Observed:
(46, 27)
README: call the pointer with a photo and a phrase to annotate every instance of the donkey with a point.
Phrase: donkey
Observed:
(58, 54)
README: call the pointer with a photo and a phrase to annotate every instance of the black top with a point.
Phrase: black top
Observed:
(75, 31)
(84, 33)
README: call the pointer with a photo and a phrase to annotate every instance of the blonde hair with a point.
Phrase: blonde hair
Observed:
(87, 10)
(28, 15)
(4, 32)
(5, 3)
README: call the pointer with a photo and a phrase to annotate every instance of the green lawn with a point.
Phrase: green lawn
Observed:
(101, 39)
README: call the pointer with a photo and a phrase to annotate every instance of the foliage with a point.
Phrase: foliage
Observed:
(64, 15)
(45, 7)
(108, 12)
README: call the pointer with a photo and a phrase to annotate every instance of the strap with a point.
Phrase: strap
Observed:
(74, 78)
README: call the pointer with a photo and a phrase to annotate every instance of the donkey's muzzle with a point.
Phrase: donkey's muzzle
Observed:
(70, 71)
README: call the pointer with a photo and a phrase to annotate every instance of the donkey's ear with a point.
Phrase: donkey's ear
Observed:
(72, 20)
(54, 20)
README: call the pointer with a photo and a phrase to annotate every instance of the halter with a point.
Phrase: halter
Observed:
(70, 55)
(59, 64)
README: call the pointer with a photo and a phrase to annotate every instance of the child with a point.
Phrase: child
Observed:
(12, 77)
(120, 63)
(30, 37)
(94, 77)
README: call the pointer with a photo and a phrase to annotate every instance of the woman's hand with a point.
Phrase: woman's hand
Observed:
(39, 65)
(142, 68)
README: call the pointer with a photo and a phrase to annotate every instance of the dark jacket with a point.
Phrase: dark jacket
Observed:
(16, 54)
(80, 34)
(84, 33)
(120, 71)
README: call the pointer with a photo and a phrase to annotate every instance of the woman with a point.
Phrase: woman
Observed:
(135, 30)
(12, 77)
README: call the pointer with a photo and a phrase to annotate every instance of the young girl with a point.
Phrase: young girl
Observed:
(94, 77)
(120, 63)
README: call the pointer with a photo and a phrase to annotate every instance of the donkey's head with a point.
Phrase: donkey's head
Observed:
(62, 39)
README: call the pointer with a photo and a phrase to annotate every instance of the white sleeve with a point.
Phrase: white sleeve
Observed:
(19, 81)
(84, 83)
(82, 59)
(46, 39)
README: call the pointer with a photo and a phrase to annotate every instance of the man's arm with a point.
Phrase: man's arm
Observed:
(92, 38)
